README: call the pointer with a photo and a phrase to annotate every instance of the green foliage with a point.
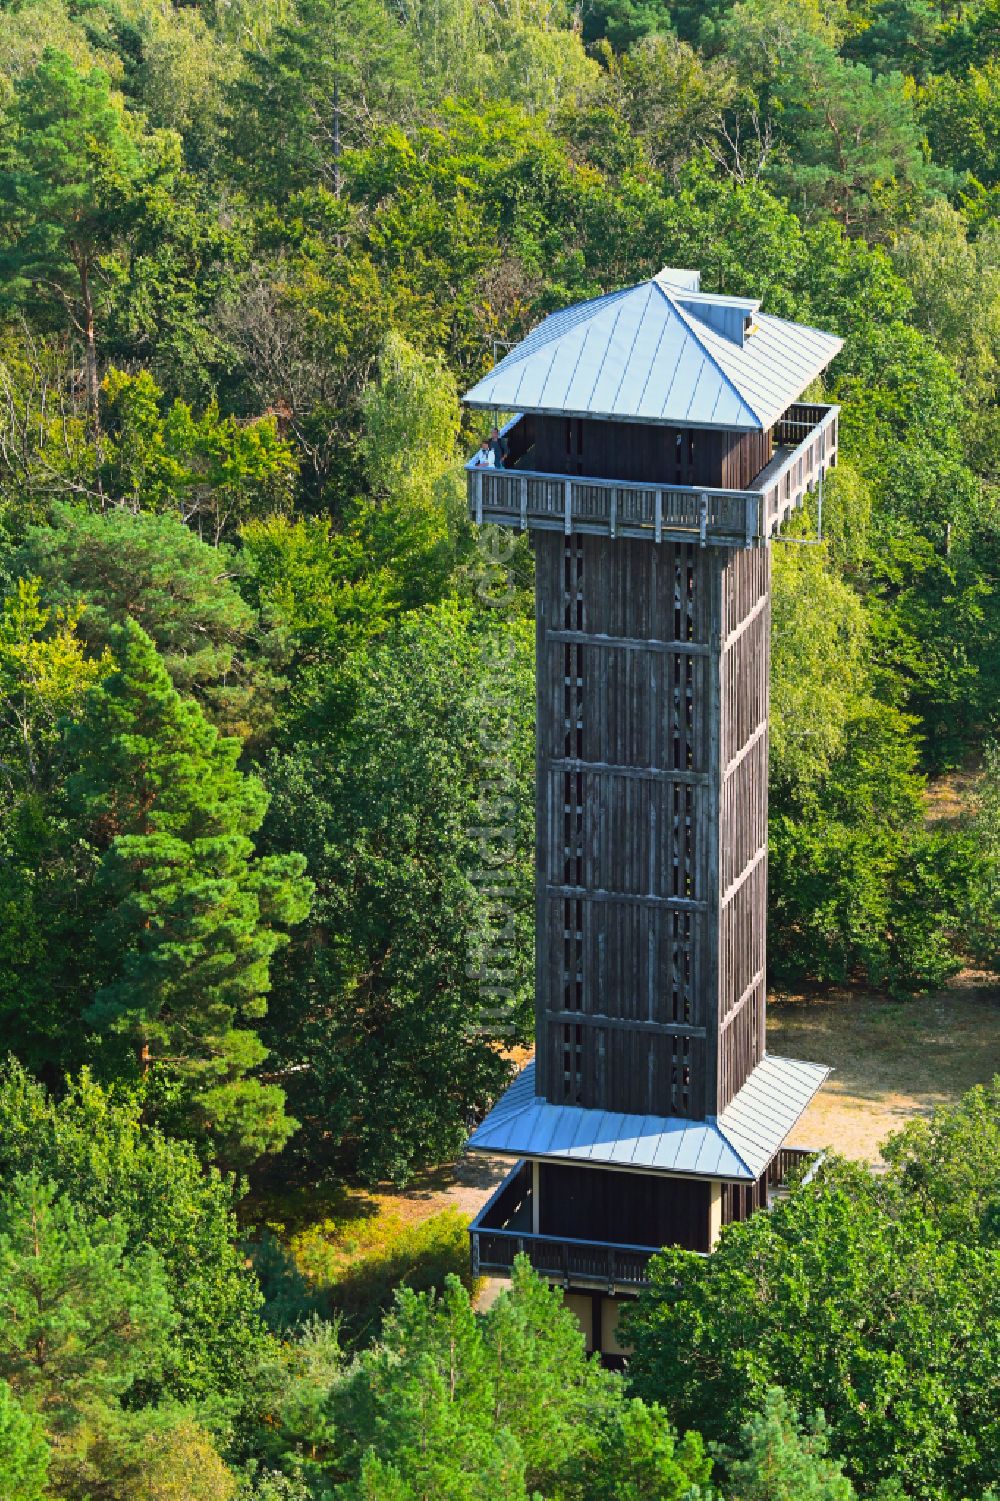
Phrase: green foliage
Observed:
(956, 287)
(950, 1166)
(315, 587)
(44, 674)
(104, 570)
(353, 1268)
(272, 317)
(984, 857)
(281, 132)
(415, 961)
(88, 1325)
(411, 422)
(24, 1453)
(214, 472)
(75, 171)
(82, 1323)
(960, 115)
(47, 451)
(451, 1406)
(192, 919)
(818, 668)
(152, 1455)
(638, 1456)
(302, 331)
(858, 885)
(784, 1464)
(674, 102)
(858, 1304)
(108, 1166)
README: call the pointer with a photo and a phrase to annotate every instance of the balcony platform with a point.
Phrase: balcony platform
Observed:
(805, 449)
(503, 1229)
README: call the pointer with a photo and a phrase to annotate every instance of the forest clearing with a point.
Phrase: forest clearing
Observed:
(893, 1060)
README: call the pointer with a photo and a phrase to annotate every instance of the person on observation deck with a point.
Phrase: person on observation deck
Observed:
(498, 447)
(485, 458)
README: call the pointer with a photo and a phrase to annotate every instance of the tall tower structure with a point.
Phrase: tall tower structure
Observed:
(658, 444)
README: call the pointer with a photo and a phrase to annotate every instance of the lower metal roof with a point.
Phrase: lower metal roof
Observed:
(735, 1146)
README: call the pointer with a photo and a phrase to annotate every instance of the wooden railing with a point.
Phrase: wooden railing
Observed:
(527, 498)
(547, 502)
(811, 434)
(567, 1261)
(502, 1230)
(789, 1162)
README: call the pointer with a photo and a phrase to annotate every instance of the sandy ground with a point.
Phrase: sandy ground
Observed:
(892, 1059)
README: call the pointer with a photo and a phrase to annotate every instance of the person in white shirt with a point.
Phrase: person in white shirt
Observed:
(484, 458)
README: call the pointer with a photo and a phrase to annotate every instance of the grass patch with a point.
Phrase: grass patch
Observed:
(347, 1265)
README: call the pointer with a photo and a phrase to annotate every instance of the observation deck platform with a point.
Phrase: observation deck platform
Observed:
(805, 448)
(503, 1229)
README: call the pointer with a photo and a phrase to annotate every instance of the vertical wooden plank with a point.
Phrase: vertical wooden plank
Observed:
(714, 580)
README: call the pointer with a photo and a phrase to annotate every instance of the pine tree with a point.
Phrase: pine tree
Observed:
(74, 167)
(24, 1453)
(784, 1462)
(81, 1319)
(192, 918)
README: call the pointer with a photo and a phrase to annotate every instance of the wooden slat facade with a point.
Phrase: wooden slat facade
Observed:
(652, 697)
(640, 451)
(583, 1202)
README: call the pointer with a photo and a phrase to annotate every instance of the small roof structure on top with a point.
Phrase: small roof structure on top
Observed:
(735, 1146)
(663, 352)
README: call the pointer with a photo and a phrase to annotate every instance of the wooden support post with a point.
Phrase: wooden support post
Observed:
(658, 515)
(524, 503)
(703, 519)
(714, 1214)
(568, 519)
(536, 1207)
(479, 497)
(613, 510)
(596, 1332)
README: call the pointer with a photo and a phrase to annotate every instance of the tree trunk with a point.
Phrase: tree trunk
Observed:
(93, 384)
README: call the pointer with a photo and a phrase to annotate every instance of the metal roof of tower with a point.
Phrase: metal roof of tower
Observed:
(662, 351)
(735, 1146)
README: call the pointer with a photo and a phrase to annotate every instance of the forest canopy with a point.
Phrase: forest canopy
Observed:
(248, 260)
(266, 710)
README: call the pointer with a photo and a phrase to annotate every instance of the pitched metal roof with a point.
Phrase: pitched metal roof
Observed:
(657, 352)
(735, 1146)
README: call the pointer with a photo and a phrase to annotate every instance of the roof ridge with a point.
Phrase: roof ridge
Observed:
(737, 1153)
(688, 321)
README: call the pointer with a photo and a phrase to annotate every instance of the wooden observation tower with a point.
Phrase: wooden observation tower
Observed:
(659, 443)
